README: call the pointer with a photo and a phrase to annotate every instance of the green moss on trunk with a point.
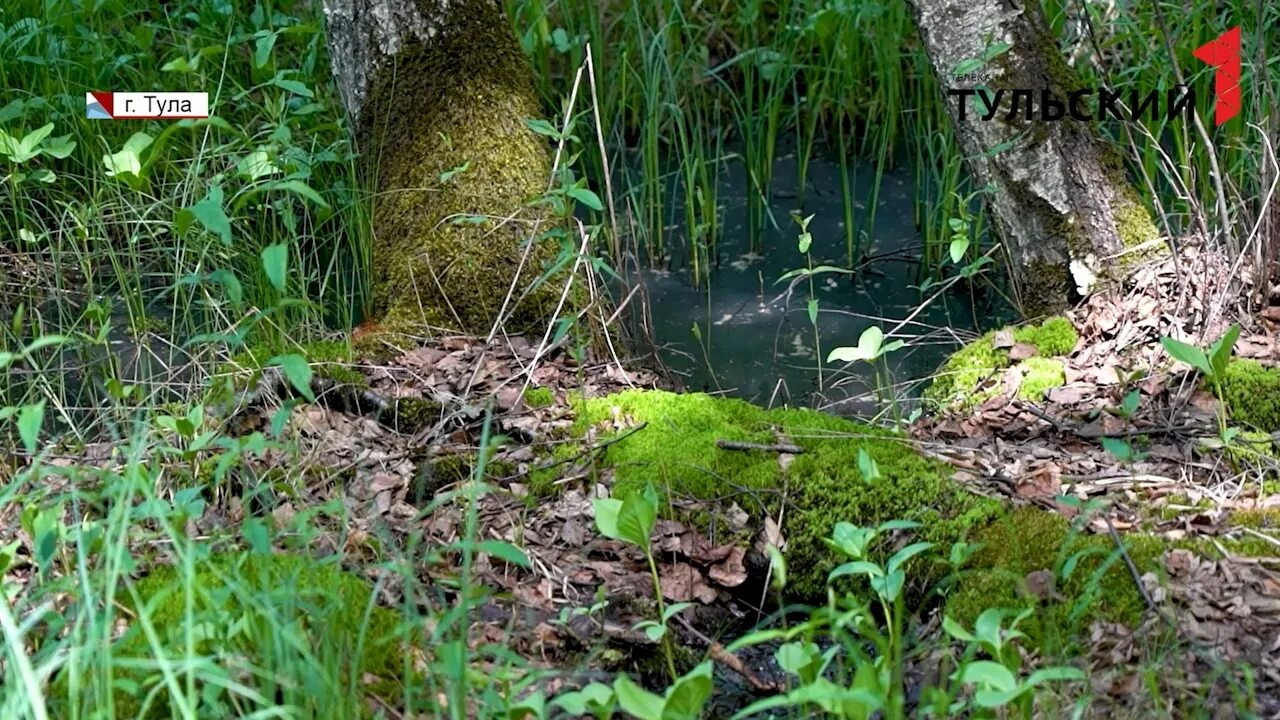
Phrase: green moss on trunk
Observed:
(456, 168)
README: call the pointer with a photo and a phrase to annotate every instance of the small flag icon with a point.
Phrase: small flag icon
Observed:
(97, 106)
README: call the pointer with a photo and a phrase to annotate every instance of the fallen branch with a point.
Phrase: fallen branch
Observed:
(763, 447)
(729, 660)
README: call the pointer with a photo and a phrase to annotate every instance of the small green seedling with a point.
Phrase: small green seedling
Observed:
(1212, 364)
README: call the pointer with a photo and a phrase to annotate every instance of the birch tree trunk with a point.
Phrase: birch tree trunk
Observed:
(1061, 202)
(438, 93)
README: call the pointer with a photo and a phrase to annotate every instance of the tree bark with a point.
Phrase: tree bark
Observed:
(1062, 205)
(438, 93)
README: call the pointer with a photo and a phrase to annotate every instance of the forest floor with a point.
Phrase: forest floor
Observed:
(1178, 483)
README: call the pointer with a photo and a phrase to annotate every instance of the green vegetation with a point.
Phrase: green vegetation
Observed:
(677, 454)
(1252, 394)
(538, 397)
(959, 382)
(1097, 586)
(328, 359)
(293, 617)
(1042, 374)
(141, 259)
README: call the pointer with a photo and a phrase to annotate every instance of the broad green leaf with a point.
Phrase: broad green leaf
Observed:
(591, 699)
(1220, 352)
(868, 348)
(301, 189)
(988, 674)
(129, 160)
(813, 311)
(262, 48)
(255, 165)
(293, 86)
(987, 627)
(1130, 404)
(675, 609)
(29, 146)
(636, 700)
(256, 535)
(956, 630)
(889, 586)
(1118, 448)
(902, 556)
(990, 698)
(230, 283)
(966, 66)
(635, 520)
(607, 511)
(505, 552)
(1054, 674)
(856, 567)
(59, 147)
(687, 697)
(542, 127)
(210, 214)
(586, 197)
(275, 263)
(182, 65)
(806, 240)
(30, 419)
(297, 372)
(448, 175)
(1188, 354)
(959, 246)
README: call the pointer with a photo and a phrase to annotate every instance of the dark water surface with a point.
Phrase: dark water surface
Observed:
(757, 342)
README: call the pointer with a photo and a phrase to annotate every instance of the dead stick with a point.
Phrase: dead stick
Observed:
(729, 660)
(764, 447)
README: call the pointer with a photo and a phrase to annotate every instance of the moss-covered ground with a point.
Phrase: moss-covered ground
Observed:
(829, 482)
(1252, 394)
(959, 383)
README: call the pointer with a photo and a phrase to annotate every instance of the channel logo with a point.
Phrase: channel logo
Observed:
(146, 106)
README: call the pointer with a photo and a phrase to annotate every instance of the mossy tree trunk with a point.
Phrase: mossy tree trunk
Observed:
(438, 93)
(1061, 202)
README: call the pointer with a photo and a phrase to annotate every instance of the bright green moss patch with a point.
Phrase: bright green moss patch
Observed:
(1030, 540)
(677, 452)
(1055, 336)
(537, 397)
(1252, 393)
(296, 620)
(1040, 374)
(958, 384)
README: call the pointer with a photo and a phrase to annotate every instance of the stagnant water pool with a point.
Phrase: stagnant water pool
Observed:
(754, 339)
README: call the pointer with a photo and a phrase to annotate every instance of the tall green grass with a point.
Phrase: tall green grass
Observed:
(850, 78)
(810, 76)
(132, 237)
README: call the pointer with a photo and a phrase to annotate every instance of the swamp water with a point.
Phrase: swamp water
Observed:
(754, 339)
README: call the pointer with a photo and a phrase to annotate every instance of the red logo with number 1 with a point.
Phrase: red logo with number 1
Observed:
(1224, 55)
